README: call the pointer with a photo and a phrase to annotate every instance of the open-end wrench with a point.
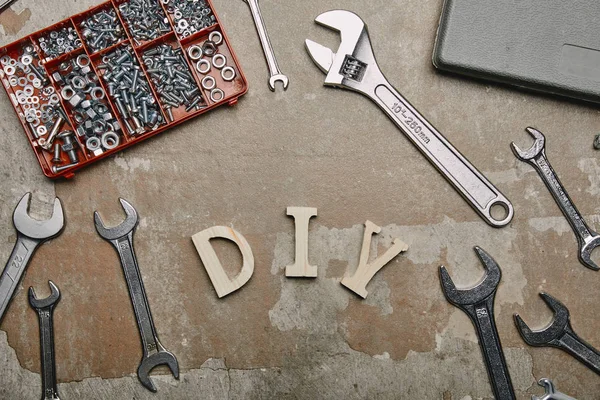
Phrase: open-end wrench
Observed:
(45, 311)
(536, 156)
(121, 237)
(354, 67)
(276, 75)
(560, 334)
(551, 392)
(30, 234)
(478, 304)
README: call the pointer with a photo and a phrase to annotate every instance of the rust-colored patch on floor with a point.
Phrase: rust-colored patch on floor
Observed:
(13, 22)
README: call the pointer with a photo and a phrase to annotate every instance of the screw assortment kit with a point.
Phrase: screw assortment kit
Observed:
(119, 73)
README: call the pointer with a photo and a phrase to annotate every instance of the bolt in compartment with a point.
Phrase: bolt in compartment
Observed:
(189, 17)
(59, 39)
(100, 28)
(145, 20)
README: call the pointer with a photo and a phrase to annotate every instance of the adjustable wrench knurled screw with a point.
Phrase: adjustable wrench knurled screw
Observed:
(30, 234)
(478, 304)
(354, 67)
(587, 239)
(45, 311)
(121, 237)
(276, 75)
(560, 334)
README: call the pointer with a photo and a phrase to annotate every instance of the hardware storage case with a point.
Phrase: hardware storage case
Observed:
(48, 93)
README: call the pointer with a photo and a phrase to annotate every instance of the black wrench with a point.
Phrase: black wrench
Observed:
(121, 237)
(478, 304)
(45, 310)
(587, 239)
(560, 334)
(30, 234)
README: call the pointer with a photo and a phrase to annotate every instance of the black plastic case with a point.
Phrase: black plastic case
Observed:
(551, 46)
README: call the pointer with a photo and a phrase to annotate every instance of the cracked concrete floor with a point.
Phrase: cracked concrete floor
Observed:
(281, 338)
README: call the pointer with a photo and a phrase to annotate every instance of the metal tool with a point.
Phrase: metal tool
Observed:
(121, 237)
(354, 67)
(536, 156)
(478, 304)
(5, 4)
(45, 310)
(551, 392)
(560, 334)
(30, 234)
(276, 75)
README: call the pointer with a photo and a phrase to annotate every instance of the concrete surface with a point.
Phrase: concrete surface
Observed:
(281, 338)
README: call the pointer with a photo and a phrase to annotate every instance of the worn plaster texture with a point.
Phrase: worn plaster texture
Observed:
(279, 338)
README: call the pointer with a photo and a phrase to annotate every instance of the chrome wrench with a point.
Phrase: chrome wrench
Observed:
(354, 67)
(30, 234)
(45, 311)
(478, 304)
(551, 392)
(154, 353)
(276, 75)
(587, 239)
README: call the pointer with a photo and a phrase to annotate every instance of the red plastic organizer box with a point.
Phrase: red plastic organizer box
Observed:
(116, 74)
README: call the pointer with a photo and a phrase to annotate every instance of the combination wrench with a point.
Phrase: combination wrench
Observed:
(560, 334)
(587, 239)
(276, 75)
(45, 311)
(478, 304)
(30, 234)
(354, 67)
(154, 353)
(551, 392)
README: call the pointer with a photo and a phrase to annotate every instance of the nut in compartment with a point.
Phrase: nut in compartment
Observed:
(189, 17)
(144, 19)
(102, 29)
(129, 91)
(59, 41)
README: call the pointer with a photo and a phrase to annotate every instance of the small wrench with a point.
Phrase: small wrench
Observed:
(30, 234)
(560, 334)
(478, 304)
(551, 392)
(121, 237)
(276, 75)
(45, 310)
(354, 67)
(587, 239)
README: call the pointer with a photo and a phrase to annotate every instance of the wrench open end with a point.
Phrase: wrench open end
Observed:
(536, 148)
(149, 363)
(553, 331)
(278, 78)
(48, 301)
(38, 229)
(120, 230)
(585, 254)
(486, 287)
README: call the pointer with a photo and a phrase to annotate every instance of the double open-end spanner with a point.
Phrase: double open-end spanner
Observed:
(30, 234)
(121, 237)
(45, 311)
(551, 392)
(536, 156)
(354, 67)
(560, 334)
(478, 304)
(276, 75)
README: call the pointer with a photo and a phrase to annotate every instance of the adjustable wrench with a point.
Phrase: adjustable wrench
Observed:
(478, 304)
(30, 234)
(121, 237)
(587, 239)
(276, 75)
(551, 392)
(45, 310)
(354, 67)
(560, 334)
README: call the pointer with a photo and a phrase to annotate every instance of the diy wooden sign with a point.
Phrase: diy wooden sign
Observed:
(301, 267)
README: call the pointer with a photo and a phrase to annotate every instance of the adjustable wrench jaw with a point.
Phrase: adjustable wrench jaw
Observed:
(551, 334)
(121, 230)
(484, 290)
(353, 66)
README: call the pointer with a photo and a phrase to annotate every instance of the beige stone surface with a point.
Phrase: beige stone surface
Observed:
(279, 338)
